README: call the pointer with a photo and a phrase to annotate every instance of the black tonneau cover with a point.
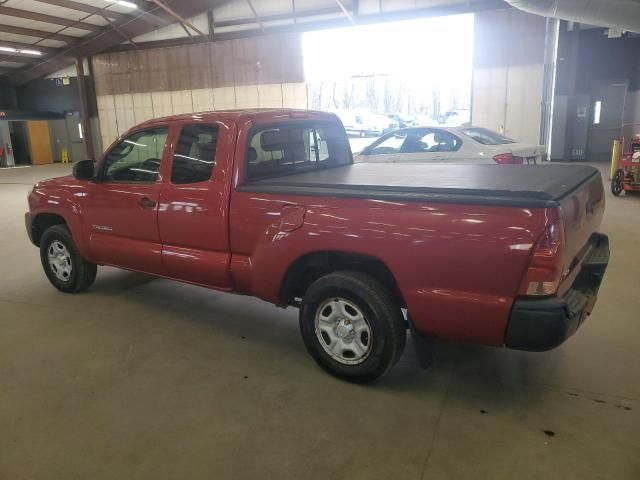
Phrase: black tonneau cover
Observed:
(511, 185)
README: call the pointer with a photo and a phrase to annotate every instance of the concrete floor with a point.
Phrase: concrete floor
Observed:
(146, 378)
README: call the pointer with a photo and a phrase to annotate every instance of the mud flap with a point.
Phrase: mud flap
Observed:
(423, 345)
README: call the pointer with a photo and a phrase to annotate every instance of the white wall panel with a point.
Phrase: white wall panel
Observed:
(124, 112)
(508, 99)
(118, 113)
(247, 96)
(202, 99)
(142, 107)
(224, 98)
(559, 131)
(294, 95)
(161, 104)
(182, 102)
(270, 96)
(489, 96)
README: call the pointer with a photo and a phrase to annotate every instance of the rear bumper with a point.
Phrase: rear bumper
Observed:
(539, 325)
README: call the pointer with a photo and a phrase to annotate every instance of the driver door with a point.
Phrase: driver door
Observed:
(121, 206)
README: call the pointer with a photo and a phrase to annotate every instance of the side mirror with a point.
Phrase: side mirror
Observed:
(84, 170)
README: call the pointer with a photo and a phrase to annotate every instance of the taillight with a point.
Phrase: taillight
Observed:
(507, 159)
(544, 273)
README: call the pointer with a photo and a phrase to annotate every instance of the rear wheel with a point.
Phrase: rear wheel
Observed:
(352, 326)
(62, 263)
(617, 183)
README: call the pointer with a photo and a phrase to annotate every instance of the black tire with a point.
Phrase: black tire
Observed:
(82, 273)
(617, 183)
(381, 312)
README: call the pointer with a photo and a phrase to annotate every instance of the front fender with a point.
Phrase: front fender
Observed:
(62, 203)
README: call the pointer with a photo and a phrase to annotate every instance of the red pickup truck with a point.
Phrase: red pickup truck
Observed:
(268, 203)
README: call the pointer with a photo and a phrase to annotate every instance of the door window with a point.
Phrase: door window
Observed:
(435, 141)
(390, 145)
(195, 154)
(137, 158)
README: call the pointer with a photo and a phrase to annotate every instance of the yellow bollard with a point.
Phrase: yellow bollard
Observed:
(65, 155)
(615, 157)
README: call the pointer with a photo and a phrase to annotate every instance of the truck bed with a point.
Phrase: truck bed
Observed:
(509, 185)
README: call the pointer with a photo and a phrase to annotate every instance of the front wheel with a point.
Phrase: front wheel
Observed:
(62, 263)
(617, 183)
(352, 326)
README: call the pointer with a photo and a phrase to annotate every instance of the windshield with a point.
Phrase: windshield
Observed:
(486, 136)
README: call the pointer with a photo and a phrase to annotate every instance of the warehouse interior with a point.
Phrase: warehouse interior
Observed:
(143, 377)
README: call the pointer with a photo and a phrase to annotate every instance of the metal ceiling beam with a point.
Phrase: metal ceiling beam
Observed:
(30, 32)
(115, 26)
(310, 24)
(439, 11)
(255, 14)
(29, 46)
(210, 24)
(345, 11)
(181, 20)
(83, 7)
(278, 17)
(41, 17)
(12, 58)
(108, 37)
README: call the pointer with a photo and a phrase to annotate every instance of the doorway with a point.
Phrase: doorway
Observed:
(20, 143)
(76, 136)
(607, 108)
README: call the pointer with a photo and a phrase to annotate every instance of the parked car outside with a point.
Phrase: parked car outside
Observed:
(425, 121)
(456, 118)
(450, 145)
(366, 124)
(403, 121)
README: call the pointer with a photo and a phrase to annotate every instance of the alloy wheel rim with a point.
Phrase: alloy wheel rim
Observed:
(343, 331)
(60, 260)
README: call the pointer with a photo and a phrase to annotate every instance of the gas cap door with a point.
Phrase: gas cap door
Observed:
(291, 217)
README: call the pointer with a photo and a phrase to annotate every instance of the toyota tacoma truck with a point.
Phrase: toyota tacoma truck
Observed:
(268, 203)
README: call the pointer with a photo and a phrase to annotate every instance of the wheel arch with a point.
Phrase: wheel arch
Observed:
(41, 222)
(309, 267)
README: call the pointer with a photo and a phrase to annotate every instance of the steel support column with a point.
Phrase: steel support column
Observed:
(84, 110)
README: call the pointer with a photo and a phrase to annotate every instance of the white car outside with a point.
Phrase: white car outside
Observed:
(365, 124)
(449, 145)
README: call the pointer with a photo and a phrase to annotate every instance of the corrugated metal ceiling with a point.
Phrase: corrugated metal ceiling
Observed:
(62, 30)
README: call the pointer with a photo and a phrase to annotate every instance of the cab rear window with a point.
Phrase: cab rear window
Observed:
(297, 147)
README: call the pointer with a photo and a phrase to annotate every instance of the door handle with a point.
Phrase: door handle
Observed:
(146, 202)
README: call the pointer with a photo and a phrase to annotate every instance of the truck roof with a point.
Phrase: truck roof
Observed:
(259, 115)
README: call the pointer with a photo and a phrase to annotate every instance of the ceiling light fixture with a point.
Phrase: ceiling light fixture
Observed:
(30, 52)
(8, 49)
(124, 3)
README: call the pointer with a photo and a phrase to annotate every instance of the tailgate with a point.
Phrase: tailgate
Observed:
(581, 212)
